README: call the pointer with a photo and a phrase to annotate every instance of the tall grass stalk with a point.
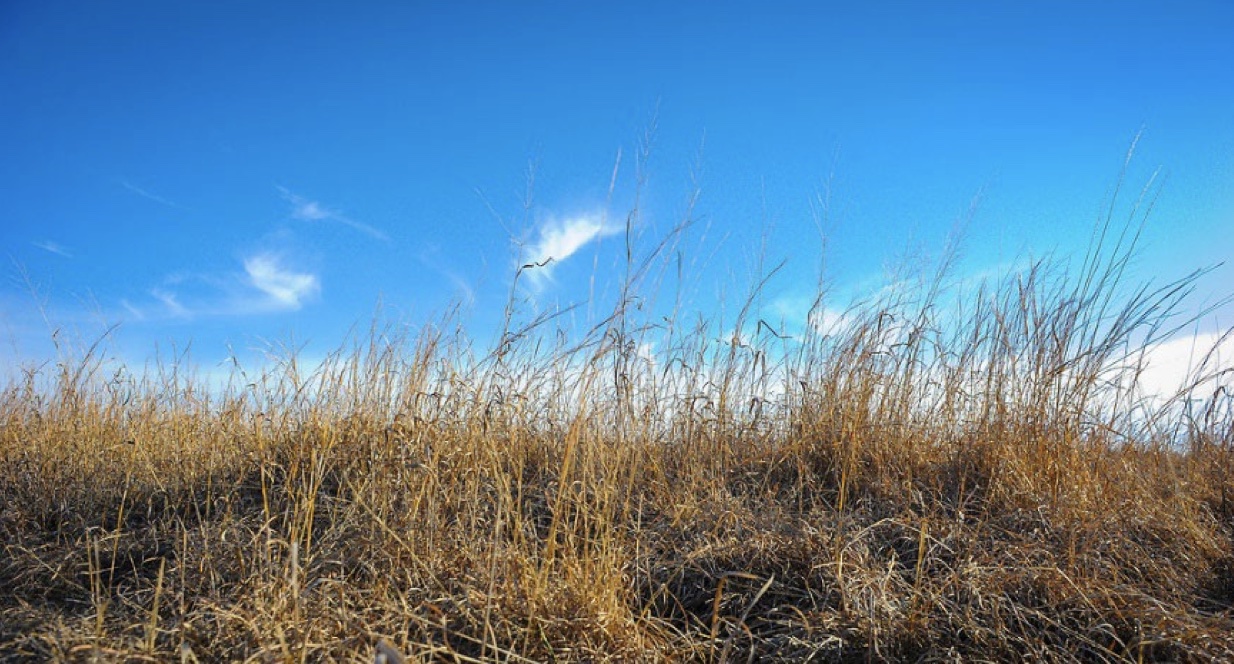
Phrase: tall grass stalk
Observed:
(943, 471)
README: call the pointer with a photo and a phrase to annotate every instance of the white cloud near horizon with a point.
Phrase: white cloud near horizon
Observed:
(305, 209)
(53, 247)
(1171, 366)
(285, 288)
(797, 311)
(559, 239)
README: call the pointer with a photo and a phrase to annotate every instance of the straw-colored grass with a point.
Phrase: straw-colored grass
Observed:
(948, 473)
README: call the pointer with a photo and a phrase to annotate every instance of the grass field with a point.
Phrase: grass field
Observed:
(944, 472)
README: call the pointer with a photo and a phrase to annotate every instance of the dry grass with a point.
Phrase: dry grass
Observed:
(949, 474)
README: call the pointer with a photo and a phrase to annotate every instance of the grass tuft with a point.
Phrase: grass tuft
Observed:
(944, 472)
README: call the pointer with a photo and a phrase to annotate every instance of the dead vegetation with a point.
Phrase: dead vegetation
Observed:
(944, 472)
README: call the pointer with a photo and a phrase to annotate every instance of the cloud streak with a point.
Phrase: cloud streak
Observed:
(305, 209)
(171, 302)
(462, 287)
(53, 247)
(150, 196)
(558, 240)
(266, 285)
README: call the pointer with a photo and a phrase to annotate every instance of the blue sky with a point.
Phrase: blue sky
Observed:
(230, 174)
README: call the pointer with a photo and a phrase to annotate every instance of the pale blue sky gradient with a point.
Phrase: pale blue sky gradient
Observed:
(228, 174)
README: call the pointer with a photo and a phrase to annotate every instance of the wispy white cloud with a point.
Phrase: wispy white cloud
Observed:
(150, 196)
(267, 284)
(305, 209)
(286, 289)
(559, 239)
(54, 247)
(136, 313)
(463, 288)
(171, 302)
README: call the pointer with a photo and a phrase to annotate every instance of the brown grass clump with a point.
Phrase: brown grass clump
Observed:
(941, 474)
